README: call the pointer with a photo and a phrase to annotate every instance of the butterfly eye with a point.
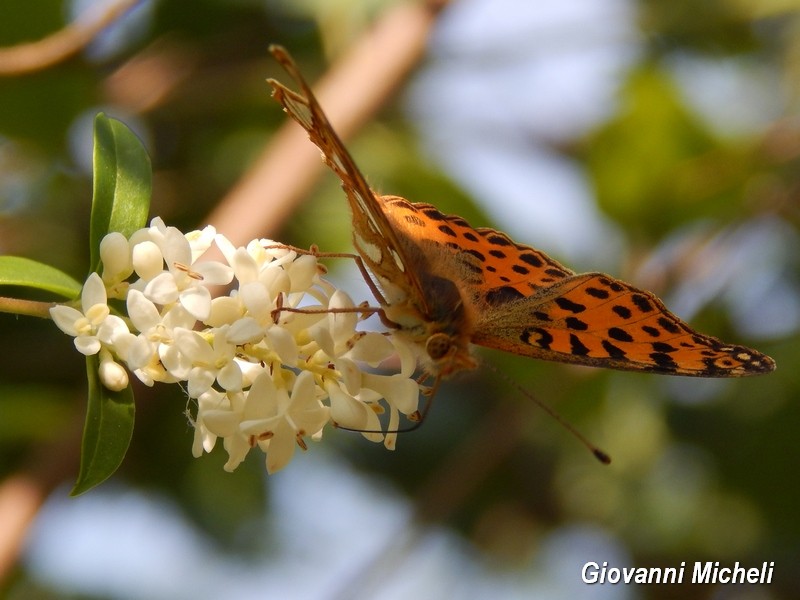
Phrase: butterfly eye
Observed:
(438, 345)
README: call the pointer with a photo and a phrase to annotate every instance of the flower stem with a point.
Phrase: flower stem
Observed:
(29, 308)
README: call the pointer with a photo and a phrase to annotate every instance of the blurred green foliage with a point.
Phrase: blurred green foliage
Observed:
(701, 471)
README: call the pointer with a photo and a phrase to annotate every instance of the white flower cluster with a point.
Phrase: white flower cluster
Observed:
(262, 375)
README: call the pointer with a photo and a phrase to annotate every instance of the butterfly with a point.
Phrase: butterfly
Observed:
(444, 284)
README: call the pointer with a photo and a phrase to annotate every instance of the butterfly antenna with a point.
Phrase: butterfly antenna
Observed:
(416, 425)
(599, 454)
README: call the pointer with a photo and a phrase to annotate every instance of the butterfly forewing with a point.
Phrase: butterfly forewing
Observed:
(373, 236)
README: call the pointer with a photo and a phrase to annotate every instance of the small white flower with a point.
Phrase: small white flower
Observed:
(245, 268)
(200, 241)
(183, 280)
(284, 419)
(225, 310)
(85, 325)
(400, 393)
(349, 413)
(211, 360)
(152, 355)
(205, 439)
(258, 305)
(263, 377)
(96, 330)
(219, 415)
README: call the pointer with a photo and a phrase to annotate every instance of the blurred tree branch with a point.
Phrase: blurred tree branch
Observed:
(59, 46)
(352, 90)
(23, 493)
(447, 489)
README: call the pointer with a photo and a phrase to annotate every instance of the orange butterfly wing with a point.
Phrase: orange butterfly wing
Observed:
(494, 258)
(593, 319)
(446, 278)
(528, 304)
(425, 306)
(374, 238)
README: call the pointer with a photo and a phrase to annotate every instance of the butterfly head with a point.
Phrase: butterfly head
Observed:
(448, 355)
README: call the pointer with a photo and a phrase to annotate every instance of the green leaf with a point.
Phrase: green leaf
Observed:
(107, 432)
(122, 183)
(15, 270)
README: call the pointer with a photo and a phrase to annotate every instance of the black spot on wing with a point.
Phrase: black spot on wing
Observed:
(498, 240)
(642, 302)
(613, 351)
(433, 214)
(622, 311)
(531, 259)
(552, 271)
(576, 324)
(470, 265)
(669, 325)
(663, 360)
(613, 285)
(597, 293)
(536, 336)
(619, 334)
(567, 304)
(447, 230)
(502, 295)
(476, 254)
(576, 346)
(663, 347)
(713, 343)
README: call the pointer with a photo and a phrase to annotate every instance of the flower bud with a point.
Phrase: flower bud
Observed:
(113, 375)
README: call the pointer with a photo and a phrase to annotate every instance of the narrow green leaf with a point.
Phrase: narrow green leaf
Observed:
(15, 270)
(122, 183)
(107, 432)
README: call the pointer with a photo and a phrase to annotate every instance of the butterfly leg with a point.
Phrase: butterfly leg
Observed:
(362, 309)
(314, 251)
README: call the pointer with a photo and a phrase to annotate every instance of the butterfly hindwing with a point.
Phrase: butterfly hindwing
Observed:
(593, 319)
(495, 258)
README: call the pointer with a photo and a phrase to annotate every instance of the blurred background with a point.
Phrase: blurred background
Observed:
(657, 140)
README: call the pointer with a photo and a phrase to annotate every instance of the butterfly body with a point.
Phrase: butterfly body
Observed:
(444, 285)
(441, 320)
